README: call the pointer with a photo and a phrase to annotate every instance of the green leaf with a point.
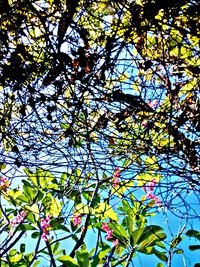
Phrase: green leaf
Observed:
(144, 178)
(136, 235)
(159, 265)
(151, 162)
(34, 210)
(126, 205)
(160, 255)
(40, 178)
(83, 258)
(151, 235)
(17, 195)
(130, 219)
(147, 250)
(22, 247)
(193, 233)
(35, 235)
(119, 232)
(99, 258)
(56, 246)
(126, 163)
(29, 192)
(197, 265)
(68, 260)
(31, 218)
(2, 166)
(194, 247)
(178, 251)
(160, 244)
(63, 178)
(12, 252)
(176, 241)
(26, 227)
(25, 182)
(36, 263)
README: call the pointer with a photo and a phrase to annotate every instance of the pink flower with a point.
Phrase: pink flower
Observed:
(154, 197)
(148, 189)
(45, 224)
(157, 200)
(18, 219)
(116, 177)
(115, 182)
(109, 232)
(150, 186)
(77, 219)
(115, 242)
(44, 237)
(144, 123)
(105, 227)
(153, 104)
(150, 195)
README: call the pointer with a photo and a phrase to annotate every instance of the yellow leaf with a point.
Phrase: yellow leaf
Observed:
(34, 210)
(82, 208)
(123, 77)
(55, 207)
(119, 190)
(107, 211)
(147, 177)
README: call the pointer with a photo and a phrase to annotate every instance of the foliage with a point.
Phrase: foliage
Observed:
(99, 126)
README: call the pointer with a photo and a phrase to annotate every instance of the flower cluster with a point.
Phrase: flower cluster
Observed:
(150, 186)
(77, 219)
(4, 183)
(148, 189)
(45, 224)
(109, 233)
(153, 104)
(116, 177)
(144, 123)
(19, 219)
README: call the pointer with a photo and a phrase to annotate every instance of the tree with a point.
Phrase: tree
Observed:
(100, 124)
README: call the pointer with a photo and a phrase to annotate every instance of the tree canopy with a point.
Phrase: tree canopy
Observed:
(100, 128)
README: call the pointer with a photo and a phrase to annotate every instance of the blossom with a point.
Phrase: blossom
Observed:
(4, 183)
(115, 242)
(45, 224)
(115, 182)
(18, 219)
(149, 188)
(109, 232)
(116, 177)
(144, 123)
(105, 227)
(77, 219)
(153, 104)
(154, 197)
(152, 184)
